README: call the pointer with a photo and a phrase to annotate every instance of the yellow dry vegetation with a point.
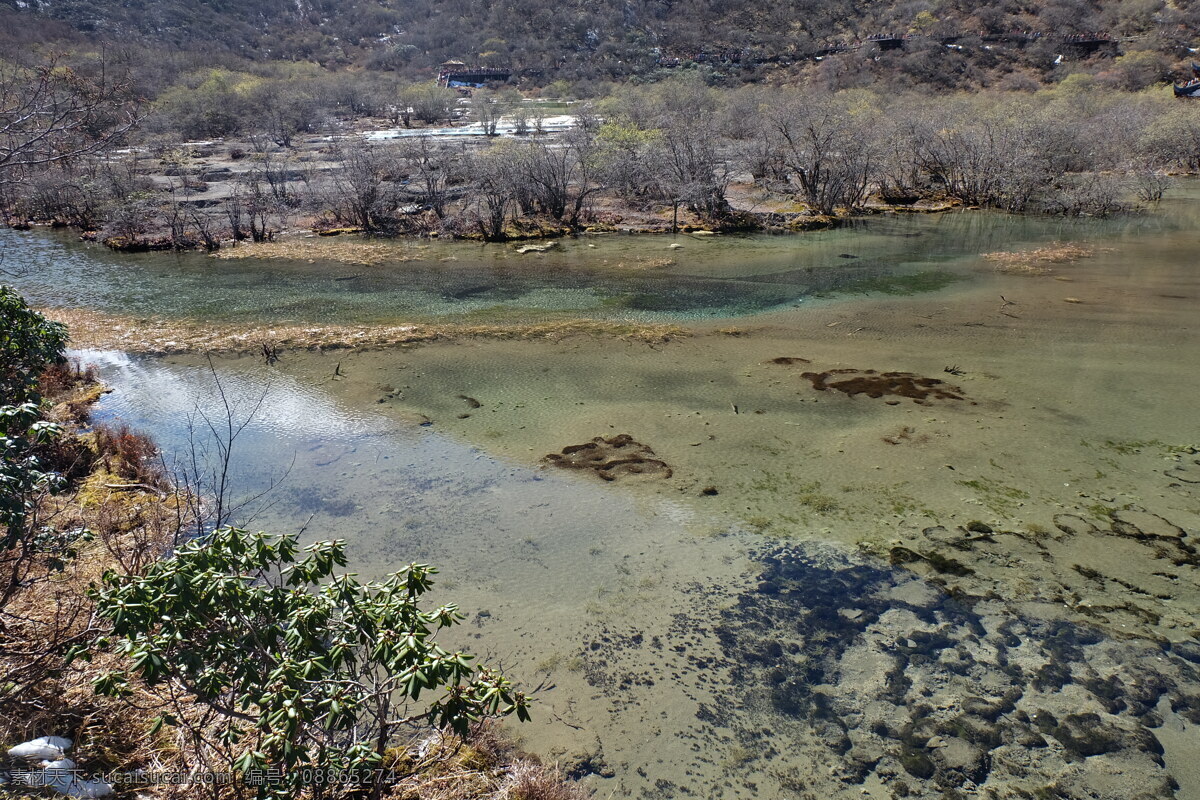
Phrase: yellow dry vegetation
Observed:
(1036, 261)
(358, 253)
(50, 610)
(92, 329)
(646, 263)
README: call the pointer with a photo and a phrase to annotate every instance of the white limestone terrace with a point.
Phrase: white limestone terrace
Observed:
(506, 127)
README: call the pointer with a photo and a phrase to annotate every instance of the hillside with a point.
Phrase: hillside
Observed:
(952, 43)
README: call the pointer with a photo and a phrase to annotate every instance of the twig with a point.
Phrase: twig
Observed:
(141, 486)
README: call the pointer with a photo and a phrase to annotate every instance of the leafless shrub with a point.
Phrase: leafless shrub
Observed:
(1087, 195)
(1151, 185)
(130, 455)
(64, 376)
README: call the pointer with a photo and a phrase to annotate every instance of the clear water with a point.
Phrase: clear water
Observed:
(593, 276)
(825, 625)
(690, 657)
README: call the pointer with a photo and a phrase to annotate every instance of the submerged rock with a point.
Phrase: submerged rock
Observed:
(1085, 735)
(937, 690)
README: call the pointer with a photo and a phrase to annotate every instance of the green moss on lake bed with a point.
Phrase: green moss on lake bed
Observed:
(902, 285)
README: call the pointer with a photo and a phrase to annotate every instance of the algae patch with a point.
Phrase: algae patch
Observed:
(995, 496)
(615, 457)
(902, 285)
(1034, 262)
(874, 384)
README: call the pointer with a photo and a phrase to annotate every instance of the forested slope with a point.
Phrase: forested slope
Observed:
(954, 41)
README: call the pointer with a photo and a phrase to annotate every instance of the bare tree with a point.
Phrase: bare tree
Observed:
(205, 225)
(488, 108)
(284, 111)
(623, 158)
(436, 166)
(754, 140)
(1151, 184)
(496, 173)
(687, 156)
(824, 153)
(560, 176)
(252, 210)
(235, 212)
(205, 481)
(364, 190)
(51, 113)
(426, 102)
(1172, 138)
(898, 175)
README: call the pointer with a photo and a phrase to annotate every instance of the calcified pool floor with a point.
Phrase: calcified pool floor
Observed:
(872, 544)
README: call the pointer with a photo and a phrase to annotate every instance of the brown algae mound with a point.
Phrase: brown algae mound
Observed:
(874, 384)
(1034, 262)
(365, 254)
(615, 457)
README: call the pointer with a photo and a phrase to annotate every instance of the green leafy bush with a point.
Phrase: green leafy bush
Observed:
(23, 478)
(28, 344)
(309, 673)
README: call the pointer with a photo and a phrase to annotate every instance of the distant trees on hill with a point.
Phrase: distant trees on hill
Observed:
(606, 40)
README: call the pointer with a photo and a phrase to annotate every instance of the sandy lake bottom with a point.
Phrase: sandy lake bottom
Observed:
(884, 544)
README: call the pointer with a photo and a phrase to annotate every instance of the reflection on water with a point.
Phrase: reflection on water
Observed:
(432, 488)
(628, 277)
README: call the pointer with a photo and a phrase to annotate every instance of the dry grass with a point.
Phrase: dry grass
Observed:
(487, 767)
(645, 264)
(58, 379)
(130, 456)
(356, 252)
(50, 610)
(531, 781)
(109, 332)
(40, 694)
(1037, 261)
